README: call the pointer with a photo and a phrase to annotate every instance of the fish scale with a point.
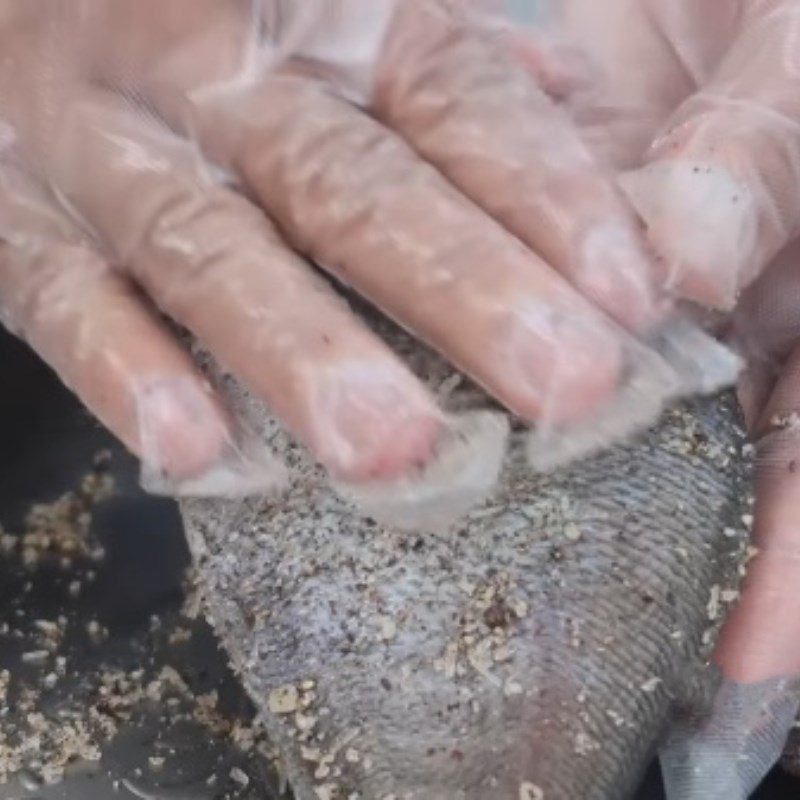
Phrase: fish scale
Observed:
(539, 649)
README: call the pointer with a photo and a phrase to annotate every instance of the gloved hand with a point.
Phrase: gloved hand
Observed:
(697, 104)
(188, 157)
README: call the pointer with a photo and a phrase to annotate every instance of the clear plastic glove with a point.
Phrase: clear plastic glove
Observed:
(727, 753)
(188, 157)
(697, 104)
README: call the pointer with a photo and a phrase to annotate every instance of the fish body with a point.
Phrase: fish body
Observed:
(535, 651)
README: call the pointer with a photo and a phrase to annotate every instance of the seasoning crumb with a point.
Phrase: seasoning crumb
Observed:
(502, 654)
(713, 605)
(180, 636)
(35, 656)
(519, 607)
(304, 722)
(585, 744)
(572, 532)
(388, 629)
(284, 699)
(93, 629)
(530, 791)
(240, 777)
(352, 756)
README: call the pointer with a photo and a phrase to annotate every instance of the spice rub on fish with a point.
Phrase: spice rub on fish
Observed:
(537, 650)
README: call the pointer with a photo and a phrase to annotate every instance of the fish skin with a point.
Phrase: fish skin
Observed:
(537, 651)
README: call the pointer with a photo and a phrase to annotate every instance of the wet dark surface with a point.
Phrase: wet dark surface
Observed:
(46, 444)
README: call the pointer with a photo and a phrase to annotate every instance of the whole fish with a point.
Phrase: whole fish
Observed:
(535, 652)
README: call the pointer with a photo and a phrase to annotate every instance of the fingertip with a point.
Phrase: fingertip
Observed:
(391, 448)
(616, 272)
(368, 420)
(182, 429)
(583, 382)
(557, 366)
(703, 223)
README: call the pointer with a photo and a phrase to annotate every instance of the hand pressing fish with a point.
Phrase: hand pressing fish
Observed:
(565, 619)
(537, 651)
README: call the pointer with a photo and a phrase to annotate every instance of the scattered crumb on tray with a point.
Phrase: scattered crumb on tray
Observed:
(38, 745)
